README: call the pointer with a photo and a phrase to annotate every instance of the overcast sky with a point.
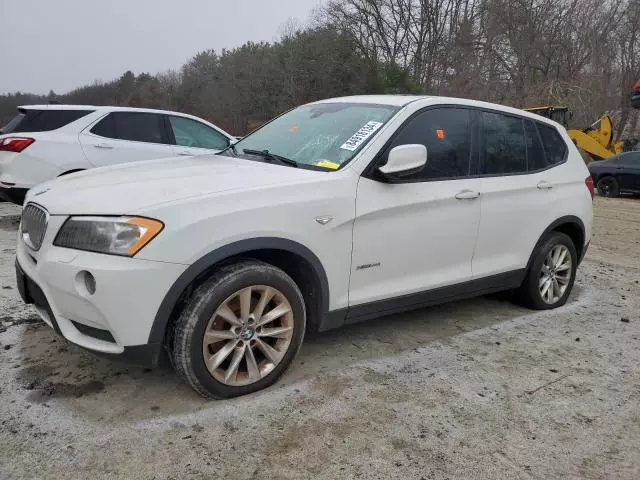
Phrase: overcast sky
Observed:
(63, 44)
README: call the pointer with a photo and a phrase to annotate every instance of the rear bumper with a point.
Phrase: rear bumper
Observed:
(13, 195)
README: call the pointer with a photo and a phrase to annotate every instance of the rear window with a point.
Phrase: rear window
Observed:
(31, 120)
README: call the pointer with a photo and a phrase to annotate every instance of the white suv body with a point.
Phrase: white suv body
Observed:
(46, 141)
(241, 247)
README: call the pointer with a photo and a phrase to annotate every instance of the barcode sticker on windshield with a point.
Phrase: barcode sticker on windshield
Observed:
(360, 136)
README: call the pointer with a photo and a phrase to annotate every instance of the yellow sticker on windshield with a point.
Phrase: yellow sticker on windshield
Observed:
(328, 164)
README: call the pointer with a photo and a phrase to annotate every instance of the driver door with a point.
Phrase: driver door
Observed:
(418, 233)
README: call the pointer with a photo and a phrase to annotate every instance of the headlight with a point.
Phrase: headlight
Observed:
(114, 235)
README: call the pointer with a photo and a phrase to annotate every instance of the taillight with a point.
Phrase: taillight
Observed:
(589, 183)
(15, 144)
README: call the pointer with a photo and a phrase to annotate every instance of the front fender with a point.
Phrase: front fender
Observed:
(180, 286)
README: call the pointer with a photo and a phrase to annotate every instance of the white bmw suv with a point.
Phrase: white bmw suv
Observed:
(46, 141)
(333, 213)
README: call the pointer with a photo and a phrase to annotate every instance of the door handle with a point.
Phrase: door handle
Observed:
(186, 154)
(106, 146)
(544, 185)
(467, 195)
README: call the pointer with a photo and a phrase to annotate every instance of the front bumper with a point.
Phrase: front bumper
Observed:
(117, 318)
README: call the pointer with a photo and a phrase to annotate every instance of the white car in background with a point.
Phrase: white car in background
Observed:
(46, 141)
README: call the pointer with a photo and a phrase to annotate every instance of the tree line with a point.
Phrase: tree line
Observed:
(581, 53)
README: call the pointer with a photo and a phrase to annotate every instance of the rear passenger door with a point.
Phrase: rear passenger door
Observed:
(122, 137)
(521, 193)
(195, 138)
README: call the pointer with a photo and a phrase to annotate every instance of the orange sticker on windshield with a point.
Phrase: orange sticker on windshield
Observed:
(293, 129)
(440, 134)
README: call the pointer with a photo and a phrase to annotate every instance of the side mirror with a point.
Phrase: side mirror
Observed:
(404, 160)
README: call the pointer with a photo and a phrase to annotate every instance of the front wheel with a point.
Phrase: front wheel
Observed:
(550, 278)
(239, 331)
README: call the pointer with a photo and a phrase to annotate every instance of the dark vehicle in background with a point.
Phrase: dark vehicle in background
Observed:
(617, 175)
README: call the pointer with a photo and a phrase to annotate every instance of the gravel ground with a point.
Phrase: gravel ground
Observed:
(473, 389)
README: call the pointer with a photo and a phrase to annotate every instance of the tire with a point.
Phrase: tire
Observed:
(608, 187)
(238, 346)
(530, 293)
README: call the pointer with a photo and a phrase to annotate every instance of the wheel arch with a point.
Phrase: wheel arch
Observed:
(292, 257)
(606, 175)
(569, 225)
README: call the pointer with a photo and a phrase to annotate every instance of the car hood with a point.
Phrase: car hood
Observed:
(132, 187)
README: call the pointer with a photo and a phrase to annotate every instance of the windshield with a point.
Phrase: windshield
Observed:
(323, 135)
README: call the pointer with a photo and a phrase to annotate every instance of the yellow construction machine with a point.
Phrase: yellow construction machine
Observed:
(557, 113)
(596, 140)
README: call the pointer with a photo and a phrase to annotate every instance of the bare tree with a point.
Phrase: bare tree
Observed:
(582, 53)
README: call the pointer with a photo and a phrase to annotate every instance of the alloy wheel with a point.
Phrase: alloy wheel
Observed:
(248, 335)
(555, 274)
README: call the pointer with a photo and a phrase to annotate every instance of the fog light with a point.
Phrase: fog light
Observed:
(85, 281)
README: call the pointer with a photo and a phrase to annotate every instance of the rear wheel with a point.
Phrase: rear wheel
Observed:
(608, 187)
(239, 331)
(550, 277)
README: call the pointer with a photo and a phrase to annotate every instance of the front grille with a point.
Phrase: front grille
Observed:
(34, 225)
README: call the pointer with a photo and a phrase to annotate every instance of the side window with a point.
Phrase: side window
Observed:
(105, 127)
(554, 146)
(133, 126)
(446, 132)
(536, 158)
(504, 145)
(630, 159)
(190, 133)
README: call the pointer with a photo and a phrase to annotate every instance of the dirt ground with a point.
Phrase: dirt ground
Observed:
(474, 389)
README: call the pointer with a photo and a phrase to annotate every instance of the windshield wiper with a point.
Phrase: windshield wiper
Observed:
(271, 157)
